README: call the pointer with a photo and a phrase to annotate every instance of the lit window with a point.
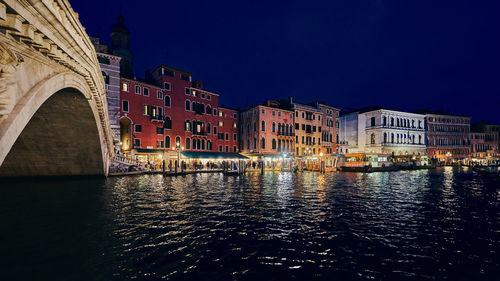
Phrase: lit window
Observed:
(234, 125)
(138, 90)
(221, 123)
(220, 114)
(125, 87)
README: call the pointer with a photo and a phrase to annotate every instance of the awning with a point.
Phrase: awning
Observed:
(212, 155)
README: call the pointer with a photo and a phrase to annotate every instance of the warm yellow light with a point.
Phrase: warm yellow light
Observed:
(321, 154)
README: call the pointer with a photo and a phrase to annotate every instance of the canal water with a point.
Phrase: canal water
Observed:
(441, 224)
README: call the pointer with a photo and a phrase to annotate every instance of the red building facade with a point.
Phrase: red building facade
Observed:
(171, 110)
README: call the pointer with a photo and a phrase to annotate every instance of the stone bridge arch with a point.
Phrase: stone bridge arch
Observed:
(53, 108)
(54, 132)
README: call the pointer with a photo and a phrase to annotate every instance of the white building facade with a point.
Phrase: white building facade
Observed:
(383, 131)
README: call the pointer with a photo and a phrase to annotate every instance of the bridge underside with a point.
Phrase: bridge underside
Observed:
(60, 139)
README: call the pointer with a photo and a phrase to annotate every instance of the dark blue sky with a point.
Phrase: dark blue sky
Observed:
(397, 54)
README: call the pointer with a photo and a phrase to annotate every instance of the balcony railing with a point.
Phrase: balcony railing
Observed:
(158, 118)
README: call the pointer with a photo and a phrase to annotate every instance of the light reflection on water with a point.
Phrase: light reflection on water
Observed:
(408, 225)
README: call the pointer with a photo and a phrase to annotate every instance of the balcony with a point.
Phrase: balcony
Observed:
(157, 118)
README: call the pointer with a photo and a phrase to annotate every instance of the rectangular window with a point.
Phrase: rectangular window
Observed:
(125, 87)
(274, 113)
(137, 143)
(145, 110)
(227, 148)
(159, 95)
(235, 116)
(138, 128)
(279, 114)
(303, 127)
(263, 111)
(166, 86)
(145, 92)
(125, 106)
(215, 130)
(220, 136)
(138, 89)
(209, 97)
(296, 126)
(227, 136)
(159, 144)
(235, 149)
(220, 148)
(185, 77)
(159, 130)
(187, 91)
(221, 123)
(234, 137)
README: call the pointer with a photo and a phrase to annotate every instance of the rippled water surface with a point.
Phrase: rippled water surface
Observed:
(411, 225)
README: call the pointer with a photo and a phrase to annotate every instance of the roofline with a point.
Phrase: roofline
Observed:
(383, 109)
(449, 115)
(173, 68)
(140, 82)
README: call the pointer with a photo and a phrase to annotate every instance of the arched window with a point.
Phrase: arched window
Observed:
(209, 109)
(202, 144)
(248, 128)
(392, 121)
(385, 137)
(274, 144)
(178, 141)
(287, 129)
(279, 128)
(372, 121)
(372, 138)
(188, 105)
(263, 143)
(188, 143)
(419, 139)
(215, 111)
(187, 125)
(208, 128)
(255, 126)
(168, 123)
(167, 141)
(167, 100)
(384, 121)
(392, 138)
(279, 145)
(209, 145)
(198, 143)
(274, 127)
(263, 126)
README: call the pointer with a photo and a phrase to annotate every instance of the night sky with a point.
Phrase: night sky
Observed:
(398, 54)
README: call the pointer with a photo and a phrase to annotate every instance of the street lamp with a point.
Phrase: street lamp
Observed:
(178, 148)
